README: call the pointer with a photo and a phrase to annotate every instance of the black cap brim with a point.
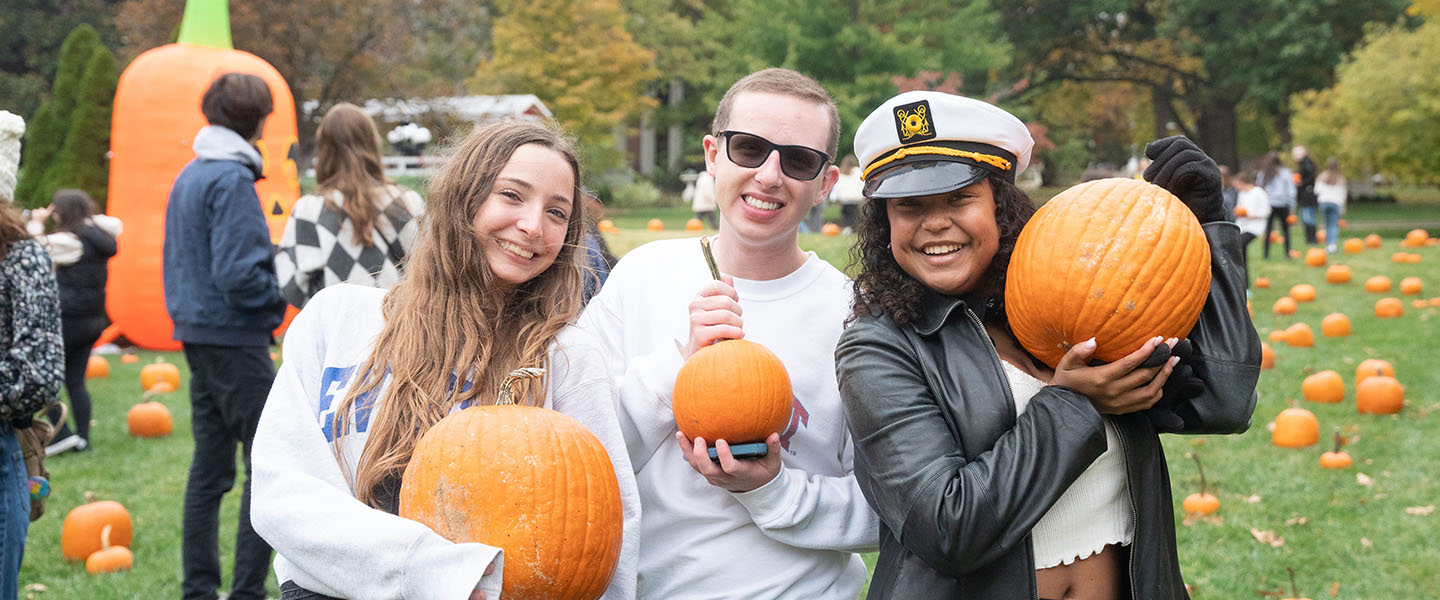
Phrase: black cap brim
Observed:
(922, 178)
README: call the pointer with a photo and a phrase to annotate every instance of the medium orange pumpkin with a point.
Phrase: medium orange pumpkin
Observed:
(1379, 395)
(732, 390)
(97, 367)
(1285, 305)
(655, 225)
(1378, 284)
(1267, 357)
(1337, 458)
(694, 225)
(530, 480)
(1411, 285)
(1118, 260)
(1295, 428)
(156, 115)
(1337, 274)
(1335, 325)
(109, 558)
(1372, 241)
(830, 230)
(1315, 257)
(1203, 502)
(1389, 308)
(157, 372)
(149, 419)
(1299, 335)
(1371, 367)
(1324, 387)
(1303, 292)
(1354, 246)
(1262, 283)
(81, 529)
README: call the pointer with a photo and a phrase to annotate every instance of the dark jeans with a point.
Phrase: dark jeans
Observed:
(1278, 214)
(14, 511)
(228, 386)
(79, 334)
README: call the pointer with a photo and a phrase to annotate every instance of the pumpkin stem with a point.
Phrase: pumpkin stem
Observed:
(1338, 441)
(1293, 588)
(89, 496)
(507, 391)
(709, 257)
(206, 23)
(1200, 468)
(105, 537)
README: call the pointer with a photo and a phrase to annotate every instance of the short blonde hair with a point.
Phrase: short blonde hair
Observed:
(784, 82)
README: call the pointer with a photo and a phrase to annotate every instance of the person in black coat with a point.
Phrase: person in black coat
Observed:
(1305, 191)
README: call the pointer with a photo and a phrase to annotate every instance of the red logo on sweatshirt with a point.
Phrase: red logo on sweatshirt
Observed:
(798, 417)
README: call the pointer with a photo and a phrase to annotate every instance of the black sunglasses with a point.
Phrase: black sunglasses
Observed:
(750, 151)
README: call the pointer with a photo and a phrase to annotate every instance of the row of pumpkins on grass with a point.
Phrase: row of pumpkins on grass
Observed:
(608, 226)
(150, 418)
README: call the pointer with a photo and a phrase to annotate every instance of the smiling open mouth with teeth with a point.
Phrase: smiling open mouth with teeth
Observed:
(761, 204)
(523, 253)
(941, 249)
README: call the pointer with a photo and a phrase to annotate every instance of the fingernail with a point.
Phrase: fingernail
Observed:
(1173, 360)
(1088, 344)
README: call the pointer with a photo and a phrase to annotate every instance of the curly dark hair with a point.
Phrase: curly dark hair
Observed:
(881, 284)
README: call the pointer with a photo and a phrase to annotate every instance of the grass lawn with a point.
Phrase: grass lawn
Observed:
(1364, 532)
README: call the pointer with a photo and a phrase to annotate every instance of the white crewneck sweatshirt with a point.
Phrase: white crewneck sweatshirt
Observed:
(325, 539)
(795, 537)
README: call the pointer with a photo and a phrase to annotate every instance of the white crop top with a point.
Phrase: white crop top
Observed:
(1094, 511)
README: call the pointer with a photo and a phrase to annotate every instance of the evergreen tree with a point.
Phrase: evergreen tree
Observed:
(54, 145)
(82, 161)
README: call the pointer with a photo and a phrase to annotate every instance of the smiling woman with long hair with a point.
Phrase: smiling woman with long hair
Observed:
(492, 285)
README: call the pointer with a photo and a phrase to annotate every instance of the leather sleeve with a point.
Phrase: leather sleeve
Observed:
(957, 515)
(1227, 349)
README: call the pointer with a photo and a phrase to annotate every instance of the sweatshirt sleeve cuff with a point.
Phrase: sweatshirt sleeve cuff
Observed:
(441, 569)
(779, 494)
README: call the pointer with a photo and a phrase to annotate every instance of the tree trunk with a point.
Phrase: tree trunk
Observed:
(1162, 113)
(1215, 131)
(1282, 126)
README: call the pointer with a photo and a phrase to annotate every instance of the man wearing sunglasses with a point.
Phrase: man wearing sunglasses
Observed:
(786, 524)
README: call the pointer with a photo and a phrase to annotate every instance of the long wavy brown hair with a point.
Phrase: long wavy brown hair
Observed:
(882, 285)
(347, 164)
(450, 319)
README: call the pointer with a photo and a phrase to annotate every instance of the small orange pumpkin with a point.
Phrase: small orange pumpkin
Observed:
(1315, 257)
(1373, 366)
(1295, 428)
(606, 226)
(1203, 502)
(1277, 335)
(1294, 254)
(1372, 241)
(1412, 258)
(1379, 395)
(655, 225)
(108, 558)
(1303, 292)
(830, 230)
(1335, 325)
(1285, 305)
(694, 225)
(97, 367)
(1267, 357)
(1241, 212)
(1262, 283)
(1337, 274)
(1354, 246)
(1084, 248)
(1324, 387)
(732, 390)
(1389, 308)
(1299, 335)
(1419, 304)
(1411, 286)
(1337, 458)
(1400, 257)
(1275, 237)
(532, 481)
(1378, 284)
(1320, 235)
(81, 529)
(158, 371)
(1435, 301)
(1342, 223)
(1291, 220)
(129, 359)
(149, 419)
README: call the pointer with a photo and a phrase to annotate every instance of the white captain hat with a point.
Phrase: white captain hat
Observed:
(921, 143)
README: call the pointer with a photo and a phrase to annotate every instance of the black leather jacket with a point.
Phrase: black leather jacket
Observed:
(959, 481)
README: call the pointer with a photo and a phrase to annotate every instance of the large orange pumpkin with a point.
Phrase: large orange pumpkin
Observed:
(1371, 367)
(1378, 284)
(1337, 274)
(80, 531)
(97, 368)
(1335, 325)
(149, 419)
(529, 480)
(1325, 387)
(1379, 395)
(1303, 292)
(1389, 308)
(1354, 246)
(156, 115)
(1295, 428)
(1119, 260)
(157, 372)
(732, 390)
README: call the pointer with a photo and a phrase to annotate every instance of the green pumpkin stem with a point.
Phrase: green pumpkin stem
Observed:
(1200, 468)
(709, 257)
(1293, 588)
(507, 391)
(206, 23)
(1338, 441)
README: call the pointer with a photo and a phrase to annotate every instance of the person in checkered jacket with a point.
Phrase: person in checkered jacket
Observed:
(357, 226)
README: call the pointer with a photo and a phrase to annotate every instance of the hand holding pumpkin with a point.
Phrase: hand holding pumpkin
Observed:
(733, 474)
(714, 315)
(480, 594)
(1116, 388)
(1183, 169)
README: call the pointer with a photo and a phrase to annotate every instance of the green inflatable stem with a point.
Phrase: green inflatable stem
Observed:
(206, 23)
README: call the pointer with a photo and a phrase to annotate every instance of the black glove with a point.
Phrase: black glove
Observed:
(1182, 385)
(1179, 166)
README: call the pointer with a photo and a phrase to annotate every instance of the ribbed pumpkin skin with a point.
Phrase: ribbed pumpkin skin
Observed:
(734, 390)
(530, 480)
(1119, 260)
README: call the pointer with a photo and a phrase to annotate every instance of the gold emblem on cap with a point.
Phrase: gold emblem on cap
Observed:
(912, 123)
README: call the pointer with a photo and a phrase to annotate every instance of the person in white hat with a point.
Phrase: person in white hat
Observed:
(32, 365)
(994, 476)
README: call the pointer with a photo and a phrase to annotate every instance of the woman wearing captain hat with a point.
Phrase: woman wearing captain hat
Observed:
(994, 476)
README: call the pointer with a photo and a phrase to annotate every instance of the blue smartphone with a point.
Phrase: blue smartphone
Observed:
(752, 450)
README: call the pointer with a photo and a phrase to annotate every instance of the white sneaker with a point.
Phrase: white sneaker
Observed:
(69, 442)
(1330, 248)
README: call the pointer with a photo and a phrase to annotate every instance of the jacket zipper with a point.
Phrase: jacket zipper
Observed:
(1134, 512)
(995, 354)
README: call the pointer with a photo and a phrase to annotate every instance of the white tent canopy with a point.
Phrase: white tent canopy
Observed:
(466, 108)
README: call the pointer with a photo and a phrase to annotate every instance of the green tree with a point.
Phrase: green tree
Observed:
(31, 33)
(70, 133)
(578, 58)
(1380, 115)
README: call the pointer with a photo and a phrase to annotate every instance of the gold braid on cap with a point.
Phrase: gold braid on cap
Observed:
(989, 159)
